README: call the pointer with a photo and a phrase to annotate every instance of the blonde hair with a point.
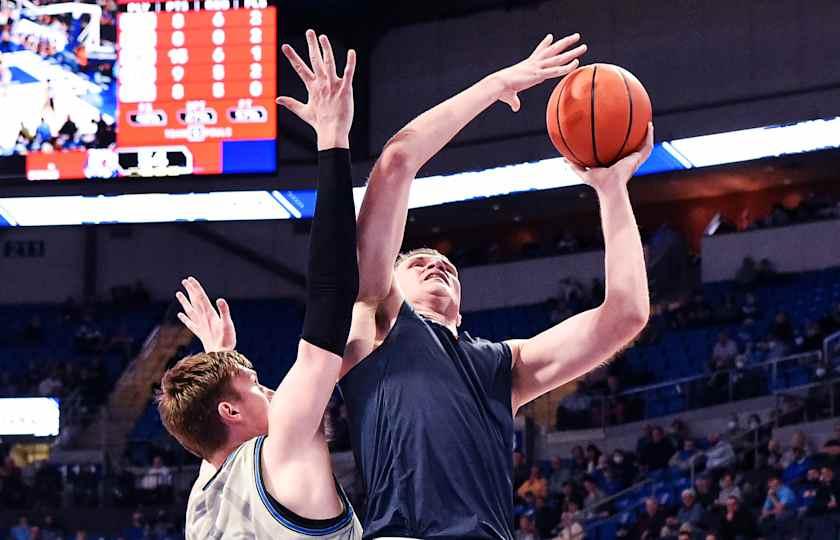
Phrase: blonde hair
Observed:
(189, 396)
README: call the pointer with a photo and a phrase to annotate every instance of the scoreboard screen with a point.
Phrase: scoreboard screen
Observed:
(148, 89)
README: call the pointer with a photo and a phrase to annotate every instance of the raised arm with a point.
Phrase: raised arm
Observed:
(583, 342)
(298, 405)
(384, 209)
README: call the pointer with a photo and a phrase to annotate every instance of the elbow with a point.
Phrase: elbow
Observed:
(395, 162)
(628, 316)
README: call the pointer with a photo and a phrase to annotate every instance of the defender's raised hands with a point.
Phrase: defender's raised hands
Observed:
(214, 328)
(329, 106)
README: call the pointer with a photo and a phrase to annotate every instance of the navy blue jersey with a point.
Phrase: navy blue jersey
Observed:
(432, 429)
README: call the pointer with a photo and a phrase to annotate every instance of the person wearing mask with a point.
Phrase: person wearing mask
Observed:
(737, 523)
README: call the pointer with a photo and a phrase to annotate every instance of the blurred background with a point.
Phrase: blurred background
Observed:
(139, 144)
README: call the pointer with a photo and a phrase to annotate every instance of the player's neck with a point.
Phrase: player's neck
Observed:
(218, 458)
(449, 322)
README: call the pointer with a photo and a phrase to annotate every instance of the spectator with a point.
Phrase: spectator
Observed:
(570, 496)
(138, 530)
(798, 445)
(650, 521)
(720, 453)
(685, 458)
(749, 309)
(575, 410)
(782, 328)
(656, 455)
(747, 274)
(579, 463)
(527, 528)
(156, 482)
(737, 523)
(832, 446)
(544, 518)
(572, 529)
(775, 456)
(51, 531)
(559, 475)
(827, 496)
(797, 469)
(690, 512)
(704, 491)
(724, 350)
(624, 468)
(536, 485)
(520, 469)
(728, 489)
(779, 508)
(21, 530)
(593, 498)
(809, 486)
(593, 454)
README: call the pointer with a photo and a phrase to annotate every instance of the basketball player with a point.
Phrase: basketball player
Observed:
(266, 471)
(431, 408)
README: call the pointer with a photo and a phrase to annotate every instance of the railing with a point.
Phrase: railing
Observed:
(678, 395)
(831, 349)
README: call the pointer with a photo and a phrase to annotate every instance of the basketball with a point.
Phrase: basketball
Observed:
(597, 115)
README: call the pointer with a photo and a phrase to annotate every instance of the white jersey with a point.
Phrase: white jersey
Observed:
(234, 504)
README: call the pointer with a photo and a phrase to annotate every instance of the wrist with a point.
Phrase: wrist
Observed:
(329, 138)
(611, 187)
(496, 84)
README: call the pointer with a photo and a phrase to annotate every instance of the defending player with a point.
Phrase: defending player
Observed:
(431, 409)
(269, 467)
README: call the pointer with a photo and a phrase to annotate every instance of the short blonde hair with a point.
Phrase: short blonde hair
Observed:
(402, 257)
(189, 396)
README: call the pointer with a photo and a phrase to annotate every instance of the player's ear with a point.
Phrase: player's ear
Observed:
(229, 412)
(459, 320)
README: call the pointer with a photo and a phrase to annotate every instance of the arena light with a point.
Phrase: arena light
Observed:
(678, 154)
(34, 417)
(757, 143)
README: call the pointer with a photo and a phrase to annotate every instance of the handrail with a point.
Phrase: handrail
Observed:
(683, 380)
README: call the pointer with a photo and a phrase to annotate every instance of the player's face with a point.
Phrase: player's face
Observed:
(252, 401)
(424, 276)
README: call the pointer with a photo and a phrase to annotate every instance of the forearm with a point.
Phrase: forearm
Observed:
(332, 272)
(626, 277)
(384, 211)
(422, 138)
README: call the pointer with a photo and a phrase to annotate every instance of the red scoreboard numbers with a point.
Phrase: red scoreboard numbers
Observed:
(196, 76)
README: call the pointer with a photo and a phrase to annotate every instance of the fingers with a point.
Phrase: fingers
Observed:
(292, 104)
(191, 326)
(349, 71)
(557, 60)
(647, 148)
(298, 64)
(315, 57)
(185, 304)
(224, 310)
(559, 45)
(555, 72)
(329, 58)
(198, 298)
(543, 45)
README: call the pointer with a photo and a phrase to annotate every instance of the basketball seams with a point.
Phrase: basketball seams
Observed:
(592, 116)
(560, 124)
(630, 116)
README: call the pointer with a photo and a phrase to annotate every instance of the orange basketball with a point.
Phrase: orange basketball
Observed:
(597, 115)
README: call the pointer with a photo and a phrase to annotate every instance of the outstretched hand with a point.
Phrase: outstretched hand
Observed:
(214, 329)
(620, 172)
(550, 60)
(329, 107)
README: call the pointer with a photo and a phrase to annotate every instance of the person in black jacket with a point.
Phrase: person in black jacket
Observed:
(737, 522)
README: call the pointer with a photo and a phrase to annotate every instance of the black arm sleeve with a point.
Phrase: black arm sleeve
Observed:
(333, 271)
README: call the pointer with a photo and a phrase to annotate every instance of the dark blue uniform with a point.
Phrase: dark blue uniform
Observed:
(432, 428)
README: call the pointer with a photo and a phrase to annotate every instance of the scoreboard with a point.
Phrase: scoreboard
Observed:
(195, 83)
(192, 82)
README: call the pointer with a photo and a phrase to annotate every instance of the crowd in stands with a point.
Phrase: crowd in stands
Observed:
(159, 526)
(745, 485)
(734, 365)
(814, 207)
